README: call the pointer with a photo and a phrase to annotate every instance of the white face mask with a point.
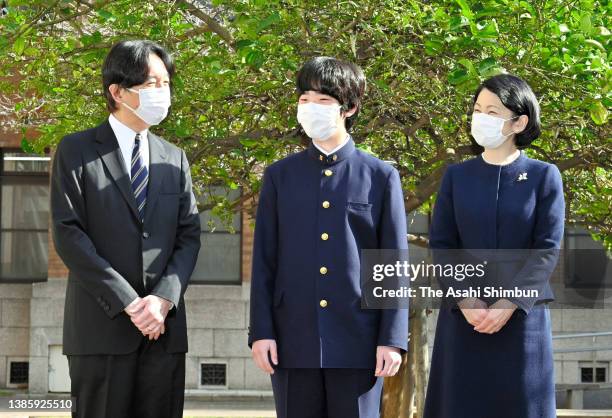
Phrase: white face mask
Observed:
(487, 130)
(319, 121)
(154, 104)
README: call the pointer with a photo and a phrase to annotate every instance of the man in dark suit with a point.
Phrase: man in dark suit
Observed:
(126, 224)
(317, 210)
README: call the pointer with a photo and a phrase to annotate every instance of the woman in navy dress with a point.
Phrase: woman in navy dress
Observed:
(492, 358)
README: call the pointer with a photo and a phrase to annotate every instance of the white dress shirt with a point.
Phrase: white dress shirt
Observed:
(328, 153)
(126, 138)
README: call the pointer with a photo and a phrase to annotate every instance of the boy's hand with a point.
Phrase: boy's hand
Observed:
(260, 350)
(390, 358)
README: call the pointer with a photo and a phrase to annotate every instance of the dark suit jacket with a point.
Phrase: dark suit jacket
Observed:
(111, 256)
(365, 210)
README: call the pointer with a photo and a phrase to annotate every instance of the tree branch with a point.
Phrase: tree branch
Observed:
(429, 185)
(211, 23)
(233, 141)
(33, 22)
(425, 189)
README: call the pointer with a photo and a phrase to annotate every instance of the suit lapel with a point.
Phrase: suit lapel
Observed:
(108, 148)
(157, 162)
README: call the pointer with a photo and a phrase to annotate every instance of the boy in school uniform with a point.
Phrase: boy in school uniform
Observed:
(317, 210)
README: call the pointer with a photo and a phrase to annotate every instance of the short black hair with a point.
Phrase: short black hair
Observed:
(127, 64)
(516, 95)
(342, 80)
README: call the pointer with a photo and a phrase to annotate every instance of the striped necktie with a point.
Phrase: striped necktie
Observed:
(140, 178)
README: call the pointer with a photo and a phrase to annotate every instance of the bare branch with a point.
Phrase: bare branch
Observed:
(425, 189)
(411, 130)
(211, 23)
(429, 185)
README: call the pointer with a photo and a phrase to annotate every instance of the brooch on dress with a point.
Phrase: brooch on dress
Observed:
(522, 177)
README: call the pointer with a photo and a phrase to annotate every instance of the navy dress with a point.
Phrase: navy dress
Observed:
(508, 374)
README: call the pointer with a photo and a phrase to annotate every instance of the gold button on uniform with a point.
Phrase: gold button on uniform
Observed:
(323, 270)
(325, 204)
(328, 173)
(323, 303)
(324, 236)
(335, 157)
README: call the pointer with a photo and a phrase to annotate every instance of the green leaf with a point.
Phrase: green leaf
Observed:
(244, 43)
(488, 30)
(468, 66)
(585, 23)
(599, 113)
(545, 53)
(440, 15)
(268, 21)
(465, 9)
(381, 85)
(488, 67)
(527, 6)
(458, 22)
(106, 15)
(458, 76)
(26, 146)
(255, 58)
(248, 143)
(366, 148)
(596, 44)
(30, 51)
(433, 46)
(19, 45)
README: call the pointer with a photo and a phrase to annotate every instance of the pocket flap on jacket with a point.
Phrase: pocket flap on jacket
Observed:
(358, 206)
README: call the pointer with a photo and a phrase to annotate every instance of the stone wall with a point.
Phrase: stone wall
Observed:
(14, 326)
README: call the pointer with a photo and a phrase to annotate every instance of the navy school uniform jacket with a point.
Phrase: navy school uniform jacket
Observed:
(315, 214)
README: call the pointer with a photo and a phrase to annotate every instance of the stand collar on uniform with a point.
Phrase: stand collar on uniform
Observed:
(341, 154)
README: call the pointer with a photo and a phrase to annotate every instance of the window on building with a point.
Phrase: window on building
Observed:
(588, 263)
(593, 373)
(24, 217)
(219, 261)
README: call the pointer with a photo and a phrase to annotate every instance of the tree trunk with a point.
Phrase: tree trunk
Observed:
(404, 393)
(421, 360)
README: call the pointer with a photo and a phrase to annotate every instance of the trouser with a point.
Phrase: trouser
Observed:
(147, 383)
(327, 393)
